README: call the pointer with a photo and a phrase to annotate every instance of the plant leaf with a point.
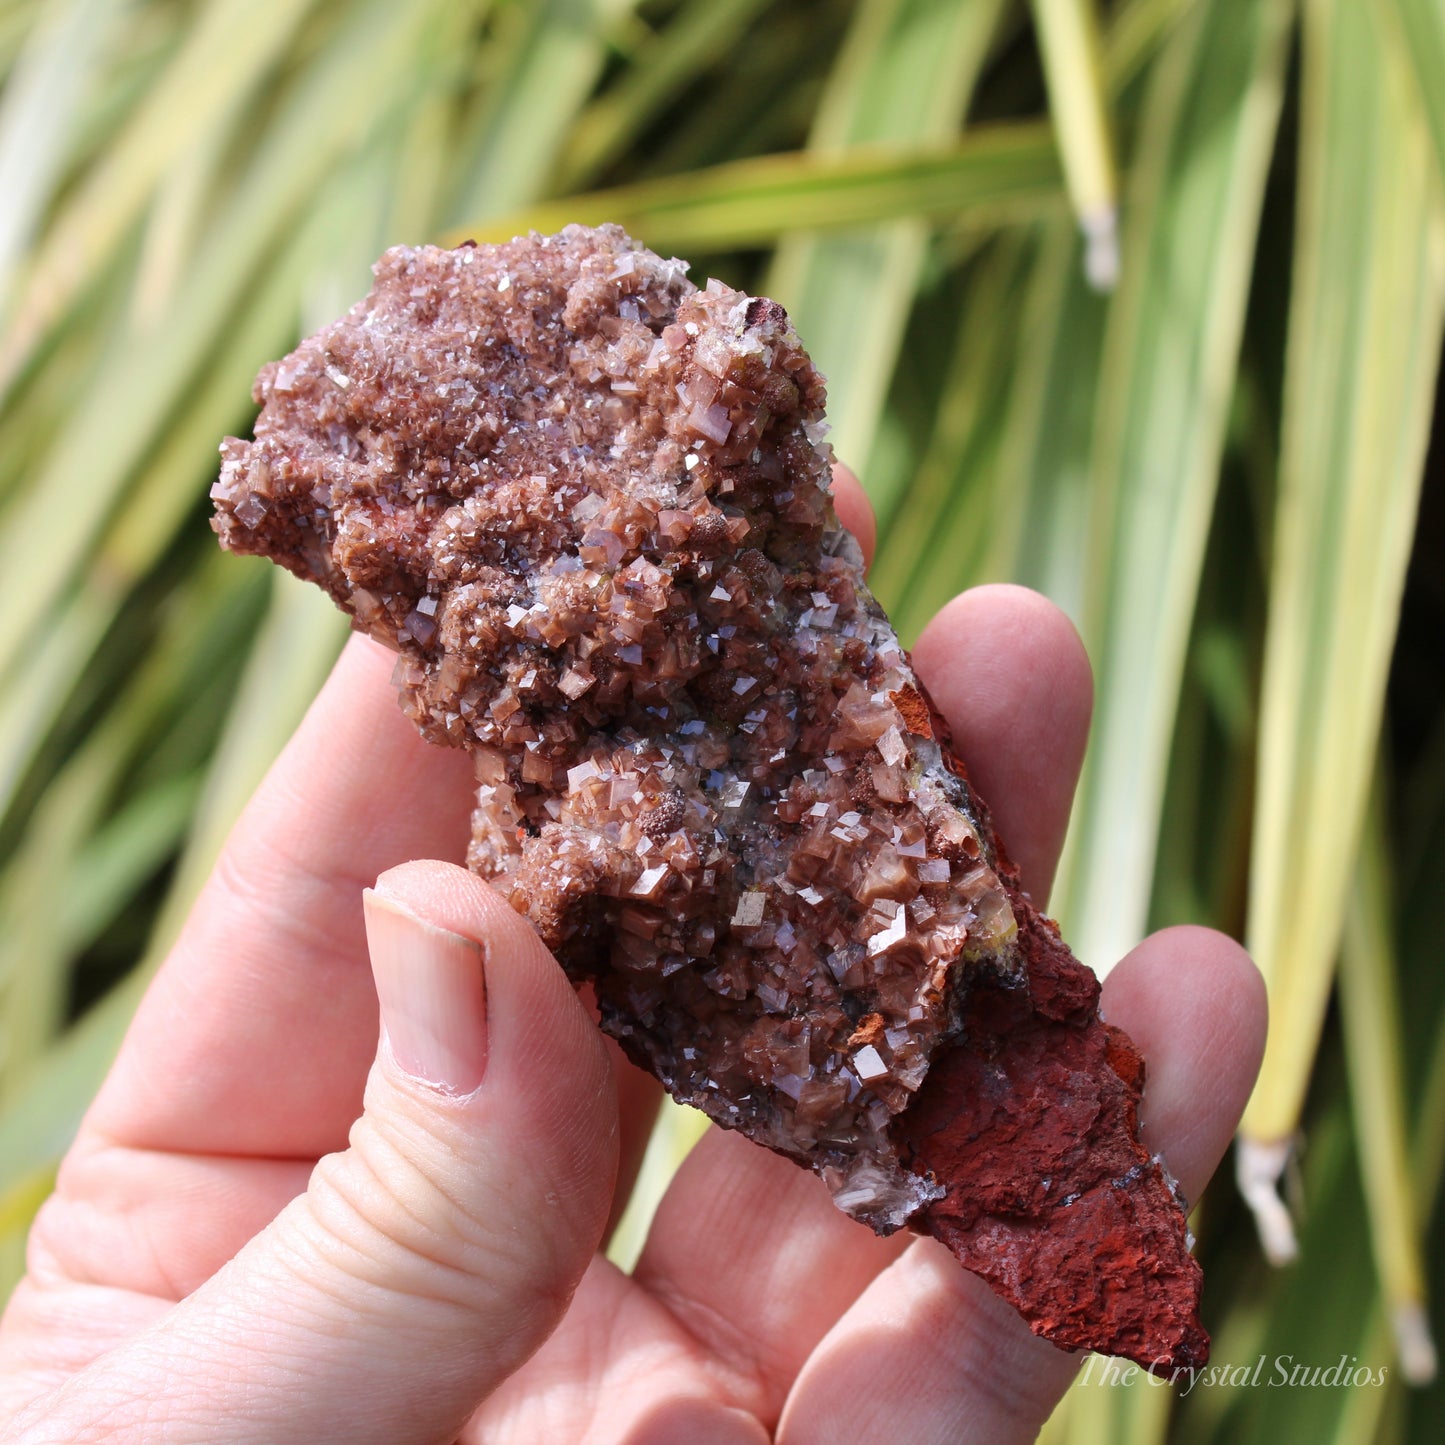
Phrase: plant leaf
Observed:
(660, 70)
(1207, 131)
(1002, 173)
(546, 57)
(1364, 345)
(54, 524)
(232, 44)
(1422, 26)
(1374, 1050)
(1068, 35)
(905, 76)
(37, 113)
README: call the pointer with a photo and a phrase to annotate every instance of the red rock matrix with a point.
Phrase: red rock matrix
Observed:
(587, 503)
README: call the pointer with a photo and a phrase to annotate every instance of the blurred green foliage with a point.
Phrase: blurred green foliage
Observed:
(1214, 464)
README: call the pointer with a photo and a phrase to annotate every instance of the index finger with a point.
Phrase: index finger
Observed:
(269, 978)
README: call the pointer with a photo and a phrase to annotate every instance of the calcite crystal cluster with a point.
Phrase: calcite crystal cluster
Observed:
(587, 503)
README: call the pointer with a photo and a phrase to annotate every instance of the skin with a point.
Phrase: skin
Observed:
(269, 1230)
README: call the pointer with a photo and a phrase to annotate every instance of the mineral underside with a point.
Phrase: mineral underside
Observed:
(588, 505)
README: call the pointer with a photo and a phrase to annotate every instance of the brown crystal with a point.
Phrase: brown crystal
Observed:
(588, 505)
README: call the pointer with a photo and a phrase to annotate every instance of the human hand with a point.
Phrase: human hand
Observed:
(270, 1229)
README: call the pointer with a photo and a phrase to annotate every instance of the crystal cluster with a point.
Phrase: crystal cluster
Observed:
(587, 503)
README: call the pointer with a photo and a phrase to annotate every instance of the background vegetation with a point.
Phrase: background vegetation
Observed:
(1204, 433)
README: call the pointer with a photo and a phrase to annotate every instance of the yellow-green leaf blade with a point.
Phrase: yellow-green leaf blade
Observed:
(1365, 335)
(1207, 132)
(660, 70)
(1422, 23)
(228, 49)
(905, 76)
(1069, 42)
(53, 525)
(37, 113)
(1007, 172)
(1374, 1048)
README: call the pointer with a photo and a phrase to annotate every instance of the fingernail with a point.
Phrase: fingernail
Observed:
(433, 995)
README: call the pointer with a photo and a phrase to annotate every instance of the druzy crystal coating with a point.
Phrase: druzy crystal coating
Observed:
(587, 503)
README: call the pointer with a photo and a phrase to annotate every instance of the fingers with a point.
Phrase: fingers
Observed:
(427, 1260)
(1194, 1003)
(257, 1033)
(639, 1096)
(749, 1254)
(1007, 670)
(928, 1353)
(618, 1368)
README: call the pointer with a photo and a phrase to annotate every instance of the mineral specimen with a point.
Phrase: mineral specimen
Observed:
(587, 503)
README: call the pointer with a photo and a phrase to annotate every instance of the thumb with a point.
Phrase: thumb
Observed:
(429, 1259)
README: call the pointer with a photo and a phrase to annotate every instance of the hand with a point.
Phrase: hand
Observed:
(271, 1230)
